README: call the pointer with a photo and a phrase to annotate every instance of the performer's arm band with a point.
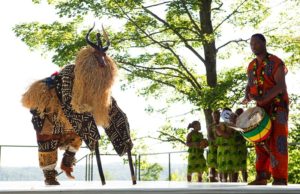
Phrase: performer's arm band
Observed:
(36, 120)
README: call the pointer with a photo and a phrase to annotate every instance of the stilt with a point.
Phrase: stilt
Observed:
(99, 164)
(133, 176)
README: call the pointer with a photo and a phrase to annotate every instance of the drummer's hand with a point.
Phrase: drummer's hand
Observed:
(245, 101)
(233, 118)
(255, 98)
(260, 100)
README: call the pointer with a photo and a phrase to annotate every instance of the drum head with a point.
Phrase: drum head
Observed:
(250, 118)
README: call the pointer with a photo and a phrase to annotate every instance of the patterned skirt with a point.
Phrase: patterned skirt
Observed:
(196, 162)
(226, 159)
(212, 156)
(241, 153)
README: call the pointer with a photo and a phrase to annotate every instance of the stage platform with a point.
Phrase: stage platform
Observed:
(159, 187)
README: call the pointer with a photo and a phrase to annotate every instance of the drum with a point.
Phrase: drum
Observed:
(256, 124)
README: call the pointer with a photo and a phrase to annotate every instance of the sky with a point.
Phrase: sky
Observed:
(20, 67)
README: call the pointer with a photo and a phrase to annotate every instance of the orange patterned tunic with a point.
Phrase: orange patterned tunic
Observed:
(261, 79)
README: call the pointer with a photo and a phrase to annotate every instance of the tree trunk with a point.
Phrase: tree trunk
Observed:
(208, 120)
(210, 51)
(209, 45)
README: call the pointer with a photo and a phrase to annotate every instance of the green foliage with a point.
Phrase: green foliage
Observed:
(160, 38)
(61, 38)
(285, 37)
(104, 144)
(175, 136)
(178, 176)
(139, 144)
(251, 164)
(294, 142)
(155, 44)
(249, 13)
(150, 172)
(294, 135)
(36, 1)
(294, 170)
(228, 91)
(288, 44)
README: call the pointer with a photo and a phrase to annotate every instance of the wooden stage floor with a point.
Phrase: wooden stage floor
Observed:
(157, 187)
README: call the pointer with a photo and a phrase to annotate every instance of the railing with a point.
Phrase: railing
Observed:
(170, 153)
(89, 164)
(89, 160)
(160, 153)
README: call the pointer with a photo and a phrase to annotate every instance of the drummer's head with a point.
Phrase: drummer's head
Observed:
(216, 115)
(195, 125)
(258, 44)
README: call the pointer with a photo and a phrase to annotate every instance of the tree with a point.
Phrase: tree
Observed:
(150, 172)
(169, 45)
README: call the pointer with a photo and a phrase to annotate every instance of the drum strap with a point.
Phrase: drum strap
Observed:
(265, 146)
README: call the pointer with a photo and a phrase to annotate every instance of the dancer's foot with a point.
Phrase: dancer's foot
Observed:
(67, 163)
(50, 177)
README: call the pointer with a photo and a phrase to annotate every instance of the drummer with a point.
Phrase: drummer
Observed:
(266, 85)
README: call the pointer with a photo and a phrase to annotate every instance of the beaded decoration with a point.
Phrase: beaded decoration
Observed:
(259, 82)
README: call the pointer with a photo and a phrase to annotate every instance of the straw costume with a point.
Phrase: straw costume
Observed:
(68, 106)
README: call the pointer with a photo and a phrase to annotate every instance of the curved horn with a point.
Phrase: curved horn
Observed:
(88, 39)
(107, 40)
(99, 42)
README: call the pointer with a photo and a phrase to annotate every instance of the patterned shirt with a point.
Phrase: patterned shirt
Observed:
(261, 78)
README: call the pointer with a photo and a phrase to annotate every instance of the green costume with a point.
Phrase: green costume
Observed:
(226, 157)
(241, 151)
(212, 149)
(196, 160)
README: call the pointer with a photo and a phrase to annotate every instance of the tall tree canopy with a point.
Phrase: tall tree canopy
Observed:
(172, 45)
